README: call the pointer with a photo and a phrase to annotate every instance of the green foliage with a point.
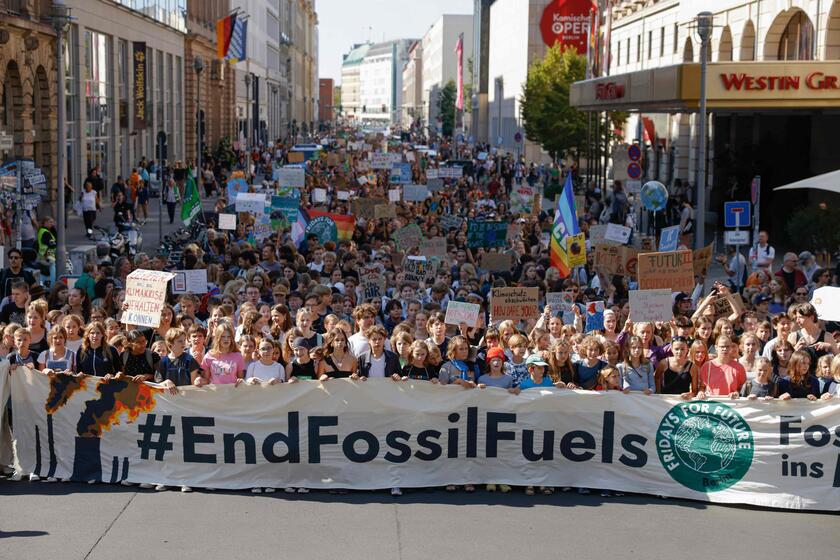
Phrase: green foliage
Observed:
(547, 117)
(224, 152)
(446, 106)
(815, 228)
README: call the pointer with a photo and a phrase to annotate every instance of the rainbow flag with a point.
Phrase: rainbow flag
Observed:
(326, 225)
(565, 225)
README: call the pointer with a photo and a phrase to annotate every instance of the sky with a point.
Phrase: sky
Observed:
(342, 23)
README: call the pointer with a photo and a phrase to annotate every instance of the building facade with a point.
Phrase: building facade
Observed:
(412, 87)
(112, 120)
(304, 61)
(327, 107)
(351, 67)
(209, 94)
(28, 84)
(480, 68)
(380, 80)
(772, 96)
(440, 64)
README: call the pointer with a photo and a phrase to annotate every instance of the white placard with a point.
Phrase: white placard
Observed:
(253, 203)
(458, 312)
(145, 294)
(227, 222)
(319, 195)
(826, 301)
(362, 180)
(617, 233)
(190, 281)
(415, 193)
(394, 195)
(343, 195)
(292, 176)
(651, 305)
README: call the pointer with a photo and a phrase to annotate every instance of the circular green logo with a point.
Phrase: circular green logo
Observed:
(324, 227)
(705, 446)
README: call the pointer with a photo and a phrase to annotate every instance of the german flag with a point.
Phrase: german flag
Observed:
(224, 32)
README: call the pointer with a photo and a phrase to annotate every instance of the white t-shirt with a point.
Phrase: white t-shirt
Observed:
(377, 366)
(265, 372)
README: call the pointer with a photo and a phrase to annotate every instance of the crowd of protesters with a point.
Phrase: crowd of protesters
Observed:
(291, 310)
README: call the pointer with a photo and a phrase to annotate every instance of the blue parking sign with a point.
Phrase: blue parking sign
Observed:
(737, 214)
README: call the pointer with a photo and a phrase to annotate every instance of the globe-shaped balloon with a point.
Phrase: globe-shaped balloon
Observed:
(654, 196)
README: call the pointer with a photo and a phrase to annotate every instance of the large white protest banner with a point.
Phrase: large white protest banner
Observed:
(145, 292)
(381, 434)
(6, 454)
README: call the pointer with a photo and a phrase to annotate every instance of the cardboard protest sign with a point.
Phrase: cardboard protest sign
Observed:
(673, 270)
(594, 316)
(458, 312)
(486, 234)
(145, 294)
(559, 302)
(703, 259)
(373, 285)
(252, 203)
(651, 305)
(597, 235)
(496, 262)
(365, 207)
(618, 234)
(227, 221)
(448, 221)
(190, 281)
(418, 269)
(296, 157)
(433, 247)
(408, 237)
(514, 303)
(618, 260)
(576, 249)
(415, 193)
(293, 176)
(384, 211)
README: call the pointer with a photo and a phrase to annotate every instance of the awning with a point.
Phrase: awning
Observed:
(826, 182)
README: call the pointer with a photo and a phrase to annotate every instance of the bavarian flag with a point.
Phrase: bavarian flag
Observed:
(565, 225)
(192, 203)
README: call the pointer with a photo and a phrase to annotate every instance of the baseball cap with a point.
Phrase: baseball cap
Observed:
(495, 352)
(680, 296)
(535, 360)
(300, 342)
(761, 298)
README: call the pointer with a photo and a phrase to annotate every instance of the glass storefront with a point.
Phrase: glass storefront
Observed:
(168, 12)
(98, 102)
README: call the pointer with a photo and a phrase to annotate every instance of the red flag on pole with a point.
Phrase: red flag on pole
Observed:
(459, 52)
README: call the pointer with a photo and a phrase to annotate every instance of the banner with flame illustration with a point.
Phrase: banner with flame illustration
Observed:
(382, 434)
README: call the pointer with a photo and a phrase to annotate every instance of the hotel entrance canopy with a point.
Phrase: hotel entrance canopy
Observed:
(729, 86)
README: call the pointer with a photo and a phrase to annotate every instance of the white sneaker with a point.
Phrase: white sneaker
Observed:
(256, 490)
(288, 490)
(146, 485)
(268, 490)
(186, 489)
(92, 481)
(34, 477)
(396, 492)
(160, 487)
(126, 483)
(16, 477)
(51, 479)
(303, 490)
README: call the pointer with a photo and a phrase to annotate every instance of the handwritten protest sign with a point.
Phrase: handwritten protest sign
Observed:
(617, 233)
(145, 294)
(192, 281)
(415, 193)
(448, 221)
(651, 305)
(703, 259)
(227, 221)
(418, 269)
(285, 208)
(293, 176)
(521, 199)
(365, 207)
(384, 211)
(613, 259)
(373, 285)
(673, 270)
(496, 262)
(434, 247)
(319, 195)
(597, 235)
(514, 303)
(559, 302)
(342, 194)
(486, 234)
(408, 237)
(458, 312)
(252, 203)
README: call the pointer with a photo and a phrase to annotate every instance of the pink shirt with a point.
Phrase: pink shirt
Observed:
(722, 380)
(224, 368)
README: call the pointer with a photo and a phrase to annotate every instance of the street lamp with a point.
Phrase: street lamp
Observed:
(248, 126)
(705, 22)
(198, 66)
(60, 13)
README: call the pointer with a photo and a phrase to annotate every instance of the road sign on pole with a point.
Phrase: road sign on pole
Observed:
(736, 214)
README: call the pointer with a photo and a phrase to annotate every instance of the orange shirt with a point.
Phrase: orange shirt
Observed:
(721, 380)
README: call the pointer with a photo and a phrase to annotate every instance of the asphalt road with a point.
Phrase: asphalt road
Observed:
(77, 521)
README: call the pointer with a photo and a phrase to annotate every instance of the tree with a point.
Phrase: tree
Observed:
(546, 114)
(446, 107)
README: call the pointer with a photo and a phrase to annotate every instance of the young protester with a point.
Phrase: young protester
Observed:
(762, 386)
(798, 383)
(677, 375)
(338, 361)
(378, 362)
(637, 373)
(57, 358)
(223, 364)
(723, 376)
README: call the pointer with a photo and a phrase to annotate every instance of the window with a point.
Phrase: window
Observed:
(175, 145)
(797, 40)
(639, 47)
(650, 44)
(71, 99)
(159, 97)
(676, 37)
(618, 54)
(662, 41)
(98, 104)
(627, 55)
